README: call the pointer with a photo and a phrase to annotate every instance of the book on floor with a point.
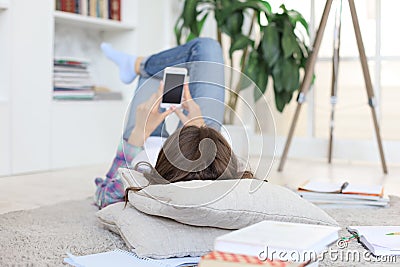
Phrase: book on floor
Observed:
(343, 193)
(380, 240)
(271, 240)
(122, 258)
(343, 188)
(222, 259)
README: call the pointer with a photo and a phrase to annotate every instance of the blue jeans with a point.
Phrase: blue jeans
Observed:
(203, 59)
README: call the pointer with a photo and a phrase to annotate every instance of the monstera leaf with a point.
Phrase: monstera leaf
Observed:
(276, 50)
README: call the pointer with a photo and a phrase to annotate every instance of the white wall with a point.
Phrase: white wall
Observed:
(31, 50)
(5, 136)
(156, 26)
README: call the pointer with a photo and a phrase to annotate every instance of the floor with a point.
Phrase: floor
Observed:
(39, 189)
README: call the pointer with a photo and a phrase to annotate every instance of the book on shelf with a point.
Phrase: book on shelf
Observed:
(380, 240)
(74, 95)
(273, 240)
(343, 193)
(61, 69)
(86, 95)
(92, 8)
(67, 5)
(115, 9)
(72, 80)
(105, 9)
(84, 7)
(71, 62)
(222, 259)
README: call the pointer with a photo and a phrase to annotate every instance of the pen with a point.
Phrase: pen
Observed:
(344, 185)
(394, 233)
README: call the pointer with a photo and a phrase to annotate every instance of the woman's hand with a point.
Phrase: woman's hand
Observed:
(148, 118)
(194, 116)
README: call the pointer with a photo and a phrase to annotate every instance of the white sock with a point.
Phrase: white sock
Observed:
(125, 62)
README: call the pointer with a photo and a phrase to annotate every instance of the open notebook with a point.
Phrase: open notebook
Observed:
(122, 258)
(380, 240)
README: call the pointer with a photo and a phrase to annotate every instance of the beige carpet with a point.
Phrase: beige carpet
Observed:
(41, 237)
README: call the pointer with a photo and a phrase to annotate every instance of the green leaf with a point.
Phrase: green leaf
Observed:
(281, 99)
(286, 75)
(295, 17)
(194, 29)
(190, 37)
(270, 44)
(261, 87)
(200, 25)
(297, 53)
(251, 66)
(232, 25)
(277, 76)
(289, 42)
(267, 7)
(244, 82)
(239, 43)
(261, 82)
(178, 30)
(258, 72)
(189, 12)
(235, 6)
(283, 7)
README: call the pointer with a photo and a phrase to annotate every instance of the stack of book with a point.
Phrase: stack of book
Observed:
(343, 194)
(72, 80)
(106, 9)
(271, 243)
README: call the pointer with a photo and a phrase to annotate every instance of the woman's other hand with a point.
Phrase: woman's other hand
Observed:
(194, 116)
(148, 118)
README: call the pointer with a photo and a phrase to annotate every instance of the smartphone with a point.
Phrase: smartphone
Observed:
(174, 78)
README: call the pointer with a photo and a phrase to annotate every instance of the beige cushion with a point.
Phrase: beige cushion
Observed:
(157, 237)
(227, 204)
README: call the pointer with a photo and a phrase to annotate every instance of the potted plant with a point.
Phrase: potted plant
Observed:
(271, 44)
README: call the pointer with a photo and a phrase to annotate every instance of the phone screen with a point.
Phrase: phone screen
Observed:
(173, 88)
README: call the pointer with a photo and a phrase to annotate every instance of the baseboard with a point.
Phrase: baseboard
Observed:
(305, 147)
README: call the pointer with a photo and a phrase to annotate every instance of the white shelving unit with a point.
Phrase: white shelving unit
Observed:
(38, 133)
(4, 4)
(77, 20)
(91, 127)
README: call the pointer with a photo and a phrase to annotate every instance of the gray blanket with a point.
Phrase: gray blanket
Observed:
(40, 237)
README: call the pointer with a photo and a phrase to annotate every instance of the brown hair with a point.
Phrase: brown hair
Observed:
(188, 155)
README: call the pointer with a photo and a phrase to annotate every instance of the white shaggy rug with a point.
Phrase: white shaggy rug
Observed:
(40, 237)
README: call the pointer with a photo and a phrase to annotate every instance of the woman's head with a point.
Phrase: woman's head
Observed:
(197, 153)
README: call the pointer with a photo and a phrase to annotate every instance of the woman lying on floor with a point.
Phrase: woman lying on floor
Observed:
(201, 119)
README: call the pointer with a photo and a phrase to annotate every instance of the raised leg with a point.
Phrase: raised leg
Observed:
(203, 59)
